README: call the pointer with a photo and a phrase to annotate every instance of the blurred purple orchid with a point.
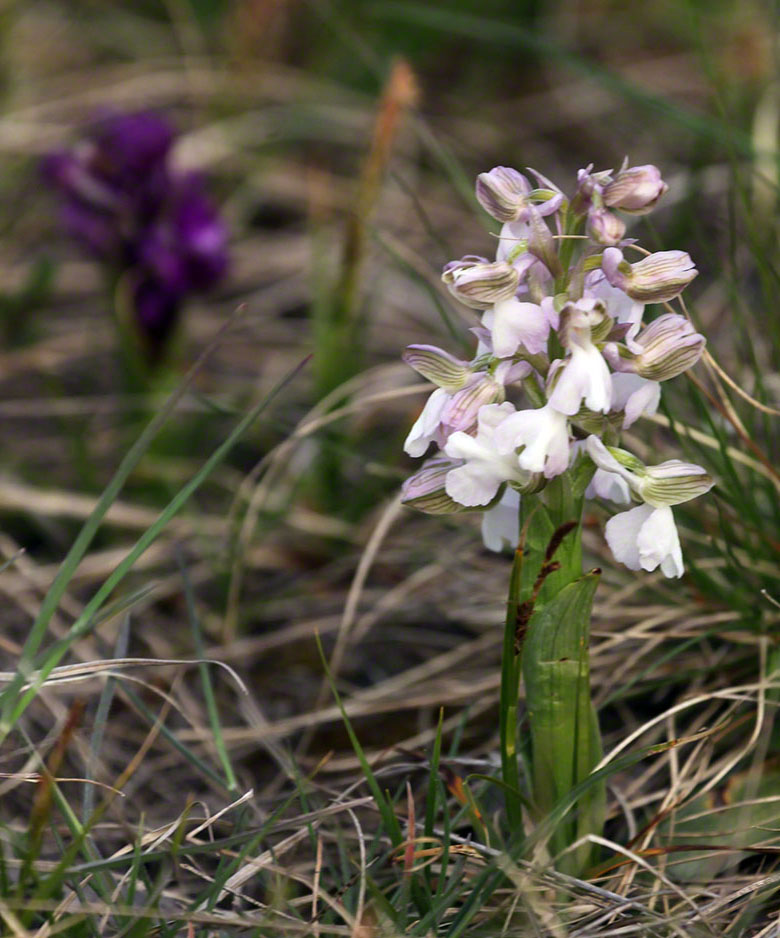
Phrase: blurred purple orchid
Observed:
(125, 203)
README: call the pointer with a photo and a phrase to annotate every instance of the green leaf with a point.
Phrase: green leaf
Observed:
(564, 729)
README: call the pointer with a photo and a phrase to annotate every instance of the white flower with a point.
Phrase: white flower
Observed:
(513, 243)
(446, 412)
(635, 395)
(610, 486)
(501, 523)
(427, 428)
(645, 538)
(585, 375)
(605, 483)
(510, 372)
(486, 469)
(514, 323)
(544, 434)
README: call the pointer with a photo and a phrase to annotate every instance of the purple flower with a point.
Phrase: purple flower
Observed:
(667, 347)
(133, 144)
(125, 203)
(185, 248)
(156, 310)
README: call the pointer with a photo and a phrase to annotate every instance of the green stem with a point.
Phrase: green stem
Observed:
(546, 640)
(511, 668)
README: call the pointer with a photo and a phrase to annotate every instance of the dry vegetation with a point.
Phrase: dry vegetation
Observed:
(267, 826)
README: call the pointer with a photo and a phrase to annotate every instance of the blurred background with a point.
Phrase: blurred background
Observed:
(338, 143)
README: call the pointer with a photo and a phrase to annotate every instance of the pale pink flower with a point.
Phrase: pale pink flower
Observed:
(513, 323)
(501, 523)
(544, 435)
(645, 538)
(485, 468)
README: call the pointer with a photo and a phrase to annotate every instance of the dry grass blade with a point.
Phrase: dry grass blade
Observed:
(84, 671)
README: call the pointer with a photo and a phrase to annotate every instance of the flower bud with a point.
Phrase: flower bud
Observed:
(503, 193)
(657, 278)
(635, 190)
(605, 227)
(438, 366)
(507, 195)
(672, 483)
(478, 283)
(460, 412)
(425, 490)
(670, 346)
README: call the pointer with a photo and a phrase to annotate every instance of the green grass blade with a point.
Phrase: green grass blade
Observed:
(383, 803)
(185, 751)
(205, 676)
(433, 789)
(13, 705)
(101, 716)
(75, 555)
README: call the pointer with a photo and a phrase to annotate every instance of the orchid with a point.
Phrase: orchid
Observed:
(564, 323)
(486, 467)
(501, 522)
(609, 486)
(635, 189)
(634, 396)
(151, 225)
(585, 375)
(542, 436)
(428, 428)
(657, 278)
(568, 356)
(664, 349)
(513, 324)
(645, 538)
(462, 390)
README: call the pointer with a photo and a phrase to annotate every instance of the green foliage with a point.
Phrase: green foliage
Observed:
(565, 738)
